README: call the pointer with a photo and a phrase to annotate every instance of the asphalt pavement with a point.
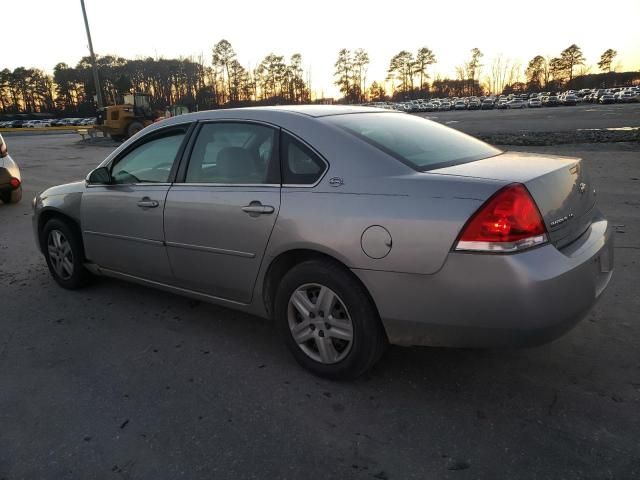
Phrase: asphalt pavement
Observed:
(547, 119)
(126, 382)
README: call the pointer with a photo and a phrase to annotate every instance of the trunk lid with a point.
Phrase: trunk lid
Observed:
(560, 186)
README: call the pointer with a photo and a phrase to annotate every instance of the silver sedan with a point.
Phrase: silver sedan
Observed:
(351, 227)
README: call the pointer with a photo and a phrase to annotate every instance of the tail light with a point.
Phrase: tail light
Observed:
(508, 222)
(14, 182)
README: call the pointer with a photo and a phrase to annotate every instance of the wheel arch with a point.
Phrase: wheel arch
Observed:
(52, 213)
(285, 261)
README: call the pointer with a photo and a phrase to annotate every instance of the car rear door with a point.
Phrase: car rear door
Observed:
(218, 220)
(122, 223)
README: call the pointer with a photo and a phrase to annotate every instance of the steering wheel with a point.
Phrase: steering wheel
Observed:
(163, 165)
(124, 173)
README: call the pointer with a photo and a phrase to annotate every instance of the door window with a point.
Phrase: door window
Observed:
(234, 153)
(150, 162)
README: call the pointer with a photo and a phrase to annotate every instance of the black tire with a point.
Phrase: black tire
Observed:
(11, 196)
(79, 276)
(369, 339)
(133, 128)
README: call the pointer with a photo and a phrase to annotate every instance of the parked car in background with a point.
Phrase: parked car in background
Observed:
(628, 96)
(512, 248)
(501, 104)
(474, 104)
(569, 100)
(487, 104)
(460, 105)
(534, 102)
(550, 101)
(516, 103)
(10, 179)
(606, 99)
(445, 106)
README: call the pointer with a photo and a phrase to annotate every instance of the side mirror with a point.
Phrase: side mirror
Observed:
(100, 176)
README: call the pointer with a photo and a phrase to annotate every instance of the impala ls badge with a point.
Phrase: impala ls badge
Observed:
(561, 220)
(336, 182)
(582, 187)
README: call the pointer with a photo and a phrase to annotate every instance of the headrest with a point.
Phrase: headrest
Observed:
(236, 164)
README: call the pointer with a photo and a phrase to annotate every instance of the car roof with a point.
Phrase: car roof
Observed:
(307, 110)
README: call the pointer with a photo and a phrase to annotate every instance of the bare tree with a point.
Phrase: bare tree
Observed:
(223, 54)
(402, 68)
(500, 72)
(424, 58)
(344, 72)
(570, 58)
(474, 68)
(606, 59)
(535, 73)
(360, 65)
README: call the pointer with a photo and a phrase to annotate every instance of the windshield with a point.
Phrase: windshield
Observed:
(415, 141)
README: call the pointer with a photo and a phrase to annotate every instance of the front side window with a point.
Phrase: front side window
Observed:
(415, 141)
(234, 153)
(150, 162)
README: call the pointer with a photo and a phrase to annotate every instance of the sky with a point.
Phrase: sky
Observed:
(47, 32)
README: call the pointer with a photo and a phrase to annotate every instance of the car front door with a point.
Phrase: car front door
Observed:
(219, 219)
(122, 222)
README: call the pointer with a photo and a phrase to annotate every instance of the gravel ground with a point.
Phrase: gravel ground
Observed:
(120, 381)
(535, 120)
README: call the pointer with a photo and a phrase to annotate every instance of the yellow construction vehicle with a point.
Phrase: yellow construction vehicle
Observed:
(132, 115)
(128, 118)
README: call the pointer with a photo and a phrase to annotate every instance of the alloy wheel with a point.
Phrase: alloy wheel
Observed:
(60, 254)
(320, 323)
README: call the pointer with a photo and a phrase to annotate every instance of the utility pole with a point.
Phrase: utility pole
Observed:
(96, 79)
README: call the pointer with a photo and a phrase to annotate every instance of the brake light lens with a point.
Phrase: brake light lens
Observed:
(14, 182)
(508, 222)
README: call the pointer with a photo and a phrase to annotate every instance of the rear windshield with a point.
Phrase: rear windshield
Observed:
(415, 141)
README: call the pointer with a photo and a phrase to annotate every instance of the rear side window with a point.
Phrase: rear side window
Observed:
(415, 141)
(301, 166)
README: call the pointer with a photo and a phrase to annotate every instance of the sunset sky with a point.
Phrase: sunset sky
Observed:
(43, 33)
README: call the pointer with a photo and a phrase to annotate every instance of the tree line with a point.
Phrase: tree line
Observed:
(223, 81)
(408, 74)
(186, 81)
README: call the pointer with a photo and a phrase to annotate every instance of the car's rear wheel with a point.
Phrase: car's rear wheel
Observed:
(12, 196)
(328, 321)
(64, 254)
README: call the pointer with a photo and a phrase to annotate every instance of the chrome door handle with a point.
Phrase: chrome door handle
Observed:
(258, 209)
(146, 202)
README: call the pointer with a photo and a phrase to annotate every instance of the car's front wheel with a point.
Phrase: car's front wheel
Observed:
(328, 321)
(64, 254)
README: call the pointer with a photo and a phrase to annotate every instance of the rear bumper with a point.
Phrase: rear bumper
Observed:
(5, 178)
(483, 300)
